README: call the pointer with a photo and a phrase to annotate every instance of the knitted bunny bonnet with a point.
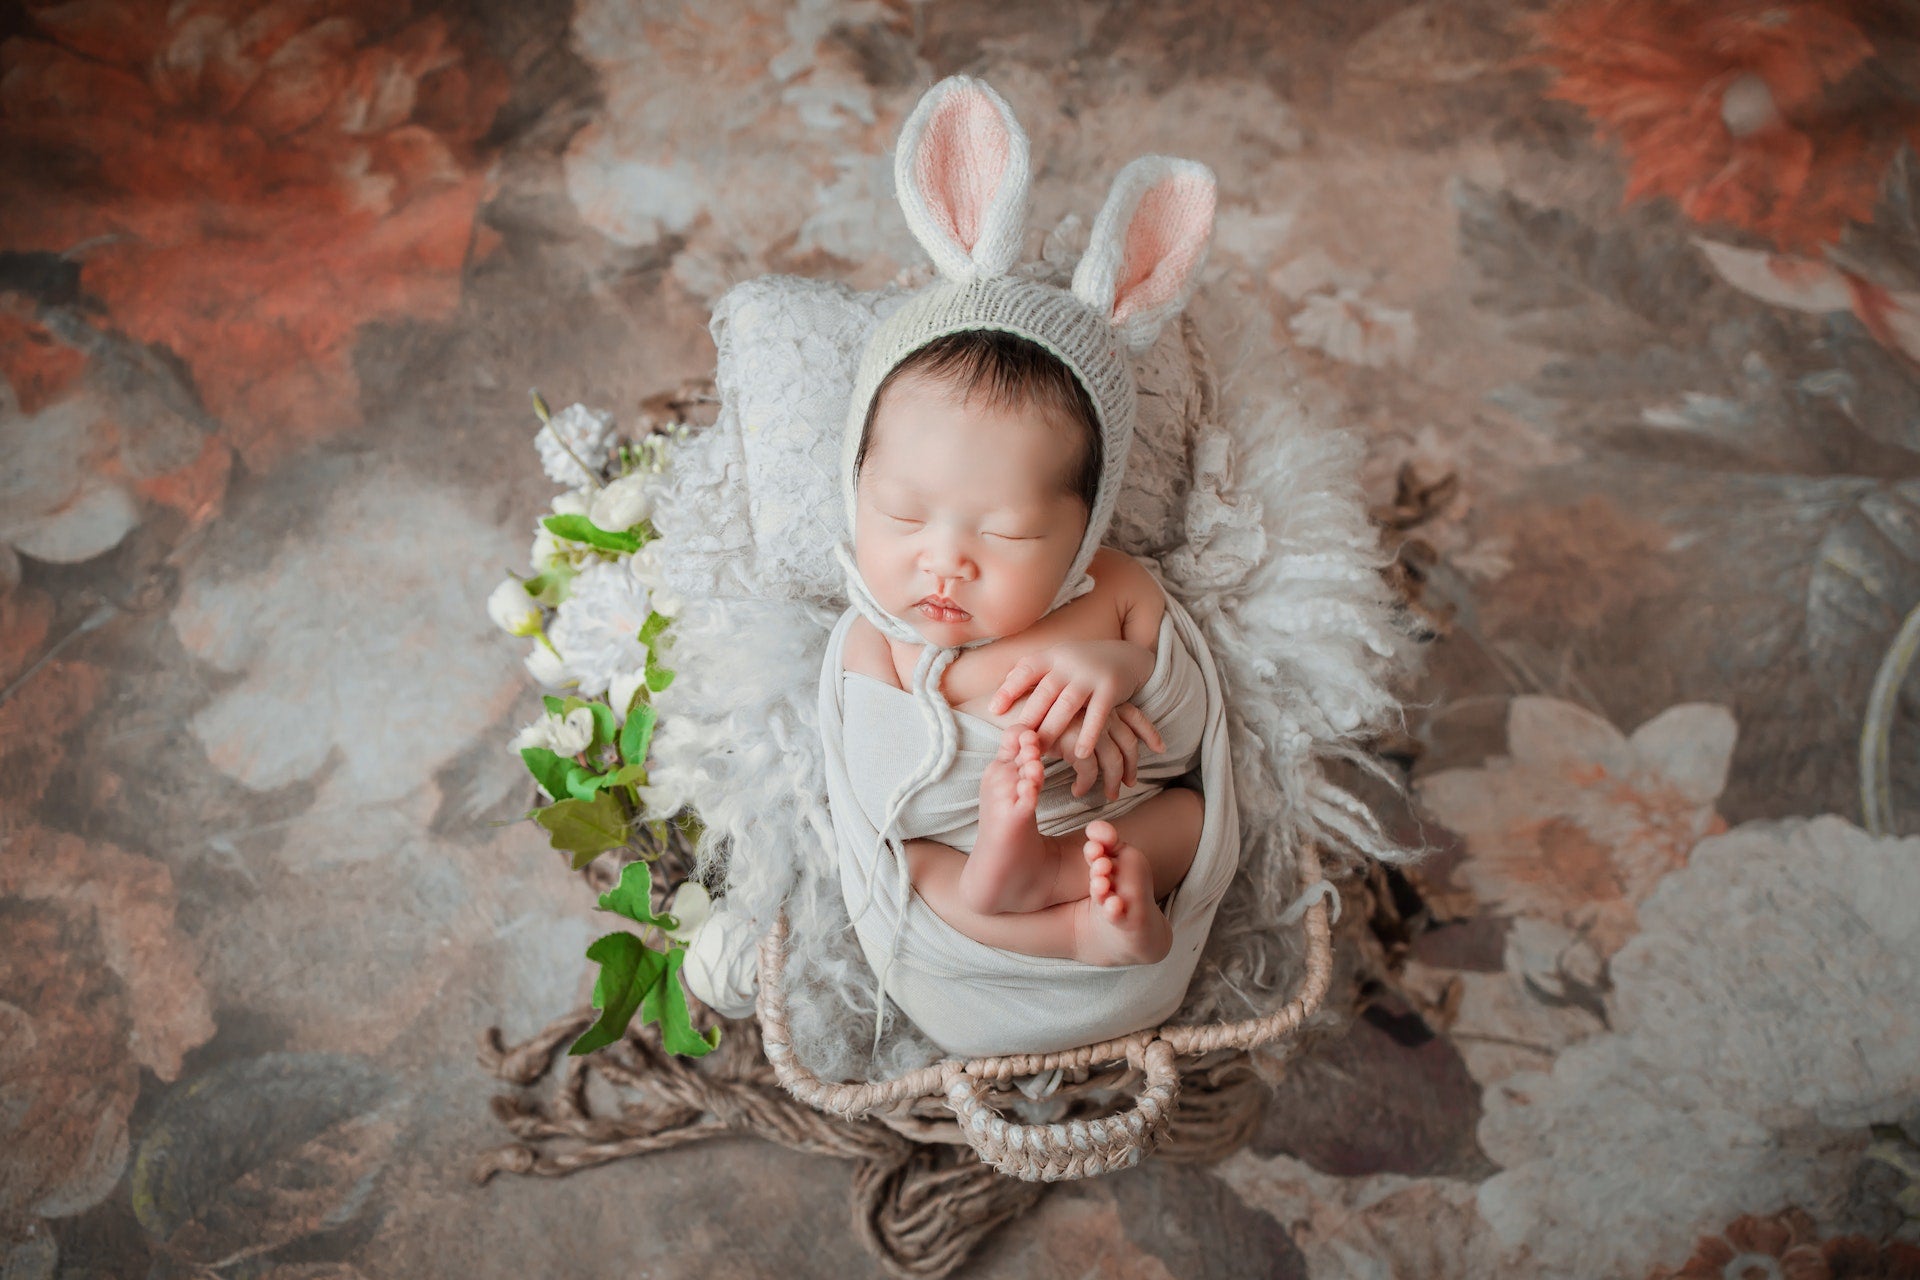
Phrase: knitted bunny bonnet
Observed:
(961, 171)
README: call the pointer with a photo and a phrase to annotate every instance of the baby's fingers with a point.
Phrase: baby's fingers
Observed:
(1085, 774)
(1039, 701)
(1023, 677)
(1099, 707)
(1129, 743)
(1137, 721)
(1065, 708)
(1113, 767)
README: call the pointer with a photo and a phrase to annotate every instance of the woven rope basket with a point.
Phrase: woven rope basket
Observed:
(1077, 1148)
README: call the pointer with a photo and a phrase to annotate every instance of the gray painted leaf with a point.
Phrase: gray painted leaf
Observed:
(259, 1153)
(1865, 580)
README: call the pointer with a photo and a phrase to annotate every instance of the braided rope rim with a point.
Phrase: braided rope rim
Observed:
(1077, 1148)
(1876, 734)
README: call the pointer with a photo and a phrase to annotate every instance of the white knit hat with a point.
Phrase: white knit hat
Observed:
(962, 175)
(961, 172)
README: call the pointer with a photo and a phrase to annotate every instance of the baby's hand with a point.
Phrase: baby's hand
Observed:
(1087, 680)
(1115, 757)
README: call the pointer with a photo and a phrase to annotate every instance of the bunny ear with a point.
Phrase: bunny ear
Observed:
(961, 171)
(1148, 246)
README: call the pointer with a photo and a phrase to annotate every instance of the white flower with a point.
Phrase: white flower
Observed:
(585, 431)
(621, 689)
(622, 504)
(596, 630)
(573, 733)
(513, 610)
(574, 502)
(1348, 327)
(690, 906)
(547, 550)
(645, 564)
(544, 665)
(567, 736)
(1763, 1017)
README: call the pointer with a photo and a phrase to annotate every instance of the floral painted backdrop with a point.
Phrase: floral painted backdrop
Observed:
(1622, 295)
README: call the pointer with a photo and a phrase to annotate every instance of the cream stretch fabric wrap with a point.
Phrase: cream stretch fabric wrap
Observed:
(969, 998)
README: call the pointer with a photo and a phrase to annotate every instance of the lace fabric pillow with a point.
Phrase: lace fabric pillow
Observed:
(756, 511)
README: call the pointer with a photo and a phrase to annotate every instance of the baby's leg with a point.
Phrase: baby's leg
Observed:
(1123, 927)
(1015, 868)
(1127, 864)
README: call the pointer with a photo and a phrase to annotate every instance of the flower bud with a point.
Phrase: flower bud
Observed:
(622, 504)
(574, 734)
(621, 690)
(544, 665)
(513, 610)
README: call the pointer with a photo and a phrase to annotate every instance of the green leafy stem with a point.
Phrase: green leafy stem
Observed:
(635, 978)
(595, 799)
(596, 806)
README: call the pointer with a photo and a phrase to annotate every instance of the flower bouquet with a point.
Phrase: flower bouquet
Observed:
(596, 609)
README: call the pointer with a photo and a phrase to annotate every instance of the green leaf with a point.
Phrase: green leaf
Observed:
(666, 1003)
(624, 776)
(552, 704)
(585, 828)
(582, 783)
(690, 826)
(658, 677)
(629, 969)
(633, 896)
(545, 588)
(577, 528)
(636, 735)
(549, 769)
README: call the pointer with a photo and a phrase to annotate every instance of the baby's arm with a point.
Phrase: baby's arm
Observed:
(1084, 682)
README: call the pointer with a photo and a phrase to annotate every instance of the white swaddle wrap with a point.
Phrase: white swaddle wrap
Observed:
(974, 999)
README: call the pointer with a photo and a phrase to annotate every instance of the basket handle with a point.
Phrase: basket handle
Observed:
(1073, 1148)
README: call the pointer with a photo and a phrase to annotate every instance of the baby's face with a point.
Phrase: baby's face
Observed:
(966, 523)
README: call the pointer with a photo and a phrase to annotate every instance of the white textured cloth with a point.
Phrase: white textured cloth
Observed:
(883, 734)
(970, 998)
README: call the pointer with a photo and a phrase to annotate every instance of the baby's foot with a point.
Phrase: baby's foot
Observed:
(1121, 925)
(1012, 866)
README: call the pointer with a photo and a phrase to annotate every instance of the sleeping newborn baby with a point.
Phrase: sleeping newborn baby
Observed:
(997, 661)
(976, 474)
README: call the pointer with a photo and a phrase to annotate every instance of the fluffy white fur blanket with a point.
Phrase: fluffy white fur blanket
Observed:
(1255, 521)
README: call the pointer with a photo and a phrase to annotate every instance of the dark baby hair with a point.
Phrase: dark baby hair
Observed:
(1010, 372)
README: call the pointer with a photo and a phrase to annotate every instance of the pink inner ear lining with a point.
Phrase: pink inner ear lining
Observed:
(1165, 239)
(961, 159)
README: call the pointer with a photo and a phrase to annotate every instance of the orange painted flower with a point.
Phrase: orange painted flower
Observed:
(247, 184)
(1783, 1246)
(1787, 1246)
(1775, 116)
(99, 983)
